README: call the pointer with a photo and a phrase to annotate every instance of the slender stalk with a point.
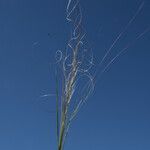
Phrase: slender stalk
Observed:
(57, 109)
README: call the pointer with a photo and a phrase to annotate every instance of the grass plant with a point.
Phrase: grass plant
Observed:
(75, 63)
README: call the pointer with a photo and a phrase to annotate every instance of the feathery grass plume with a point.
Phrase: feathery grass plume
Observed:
(77, 83)
(75, 63)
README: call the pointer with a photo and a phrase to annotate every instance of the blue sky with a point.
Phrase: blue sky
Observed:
(116, 116)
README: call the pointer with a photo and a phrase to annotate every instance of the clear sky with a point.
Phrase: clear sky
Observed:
(116, 116)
